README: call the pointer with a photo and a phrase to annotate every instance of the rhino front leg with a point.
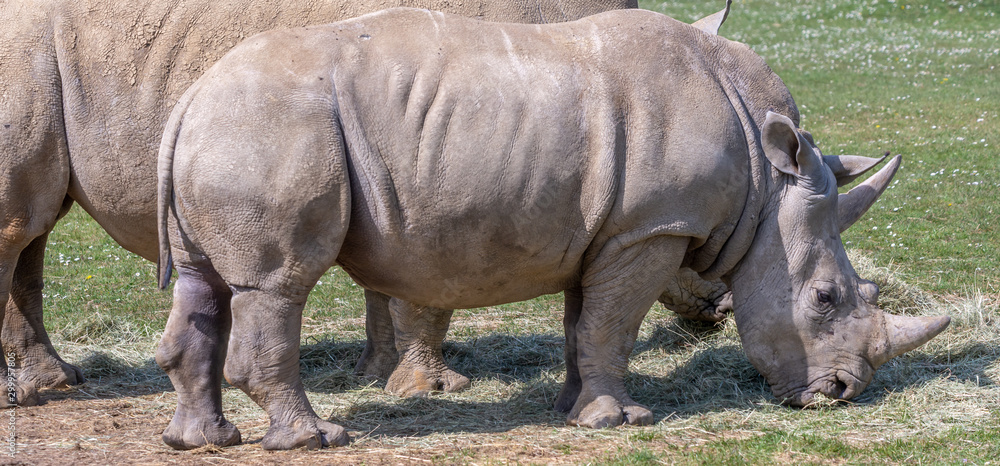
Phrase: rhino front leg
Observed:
(37, 364)
(420, 332)
(264, 362)
(573, 384)
(192, 352)
(618, 290)
(379, 357)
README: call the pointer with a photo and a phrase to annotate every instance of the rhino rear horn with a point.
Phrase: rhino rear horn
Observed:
(854, 203)
(846, 168)
(713, 22)
(906, 333)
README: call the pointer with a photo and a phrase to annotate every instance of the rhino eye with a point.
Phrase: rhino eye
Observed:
(823, 297)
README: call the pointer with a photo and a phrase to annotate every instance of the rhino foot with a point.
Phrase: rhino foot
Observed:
(568, 396)
(311, 434)
(377, 361)
(51, 372)
(419, 334)
(691, 297)
(409, 381)
(25, 394)
(637, 415)
(708, 312)
(723, 306)
(38, 367)
(606, 411)
(48, 372)
(188, 434)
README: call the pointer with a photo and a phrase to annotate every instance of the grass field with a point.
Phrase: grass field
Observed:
(916, 78)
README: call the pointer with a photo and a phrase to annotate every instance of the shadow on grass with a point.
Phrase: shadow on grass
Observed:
(108, 377)
(678, 335)
(687, 369)
(711, 374)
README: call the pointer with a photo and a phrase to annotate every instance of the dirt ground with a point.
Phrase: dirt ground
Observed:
(73, 427)
(695, 378)
(118, 415)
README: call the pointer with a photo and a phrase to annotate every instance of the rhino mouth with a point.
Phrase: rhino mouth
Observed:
(840, 385)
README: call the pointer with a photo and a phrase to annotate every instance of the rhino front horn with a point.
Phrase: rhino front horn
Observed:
(906, 333)
(854, 203)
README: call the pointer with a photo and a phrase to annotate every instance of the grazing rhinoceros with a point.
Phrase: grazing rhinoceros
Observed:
(85, 89)
(410, 146)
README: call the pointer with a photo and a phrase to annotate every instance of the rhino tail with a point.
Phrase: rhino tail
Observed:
(165, 186)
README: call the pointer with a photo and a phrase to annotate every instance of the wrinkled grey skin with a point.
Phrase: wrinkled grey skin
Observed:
(85, 89)
(454, 164)
(421, 368)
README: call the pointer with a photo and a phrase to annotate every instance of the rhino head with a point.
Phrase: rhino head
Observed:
(808, 323)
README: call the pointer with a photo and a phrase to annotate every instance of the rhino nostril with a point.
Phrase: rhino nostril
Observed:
(840, 390)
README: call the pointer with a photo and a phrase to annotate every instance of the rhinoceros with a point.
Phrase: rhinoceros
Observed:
(409, 147)
(85, 89)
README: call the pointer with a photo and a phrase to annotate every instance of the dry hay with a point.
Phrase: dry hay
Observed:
(895, 294)
(694, 376)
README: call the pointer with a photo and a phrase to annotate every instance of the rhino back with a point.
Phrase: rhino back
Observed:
(485, 161)
(494, 153)
(123, 65)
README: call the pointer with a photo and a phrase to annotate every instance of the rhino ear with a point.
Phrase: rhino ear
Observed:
(786, 148)
(713, 22)
(848, 167)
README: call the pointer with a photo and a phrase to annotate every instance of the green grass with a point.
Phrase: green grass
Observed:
(957, 446)
(88, 275)
(912, 77)
(634, 457)
(916, 78)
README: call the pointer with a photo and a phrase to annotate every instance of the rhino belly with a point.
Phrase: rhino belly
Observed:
(457, 262)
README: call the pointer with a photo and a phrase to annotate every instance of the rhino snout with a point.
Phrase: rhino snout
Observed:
(837, 384)
(843, 386)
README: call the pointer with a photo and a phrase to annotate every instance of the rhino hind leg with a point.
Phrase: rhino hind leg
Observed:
(34, 162)
(192, 352)
(379, 357)
(573, 384)
(263, 361)
(37, 364)
(420, 332)
(618, 290)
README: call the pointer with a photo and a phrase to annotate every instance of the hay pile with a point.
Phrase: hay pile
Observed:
(693, 375)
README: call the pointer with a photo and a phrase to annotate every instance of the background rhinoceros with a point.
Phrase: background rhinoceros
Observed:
(85, 88)
(407, 145)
